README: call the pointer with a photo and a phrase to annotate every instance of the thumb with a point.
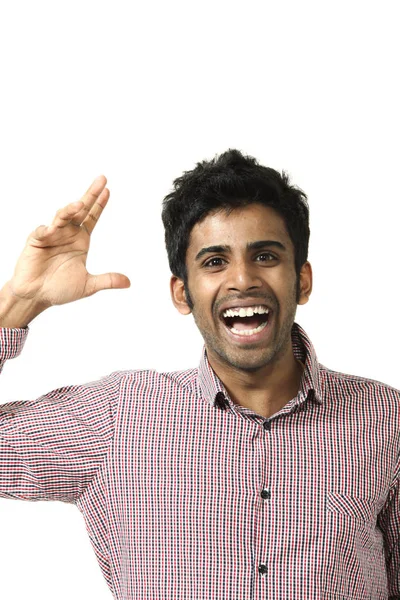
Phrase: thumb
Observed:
(107, 281)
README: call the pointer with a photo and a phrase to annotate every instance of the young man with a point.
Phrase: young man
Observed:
(261, 474)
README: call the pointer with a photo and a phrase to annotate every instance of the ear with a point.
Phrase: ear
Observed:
(305, 283)
(178, 295)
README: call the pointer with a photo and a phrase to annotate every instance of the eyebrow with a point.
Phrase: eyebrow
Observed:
(250, 246)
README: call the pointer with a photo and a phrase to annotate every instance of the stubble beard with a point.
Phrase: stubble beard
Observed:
(250, 358)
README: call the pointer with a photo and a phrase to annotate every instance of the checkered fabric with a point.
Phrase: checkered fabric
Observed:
(188, 496)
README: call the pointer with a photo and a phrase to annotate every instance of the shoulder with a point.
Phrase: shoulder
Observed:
(151, 379)
(357, 386)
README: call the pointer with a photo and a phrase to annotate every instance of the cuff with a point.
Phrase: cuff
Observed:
(11, 342)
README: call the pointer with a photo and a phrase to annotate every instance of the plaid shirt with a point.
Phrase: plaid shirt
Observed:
(187, 495)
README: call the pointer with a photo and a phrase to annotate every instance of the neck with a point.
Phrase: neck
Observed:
(266, 390)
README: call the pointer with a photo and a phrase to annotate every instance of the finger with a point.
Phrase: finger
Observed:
(40, 233)
(93, 192)
(65, 216)
(42, 236)
(95, 188)
(89, 219)
(76, 212)
(107, 281)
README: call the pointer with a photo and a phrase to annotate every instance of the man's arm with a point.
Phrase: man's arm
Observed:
(389, 522)
(52, 447)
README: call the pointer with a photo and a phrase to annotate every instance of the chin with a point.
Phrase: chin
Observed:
(250, 363)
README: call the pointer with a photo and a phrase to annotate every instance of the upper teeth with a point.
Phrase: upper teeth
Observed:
(249, 311)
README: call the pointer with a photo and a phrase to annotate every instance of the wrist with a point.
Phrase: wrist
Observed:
(17, 312)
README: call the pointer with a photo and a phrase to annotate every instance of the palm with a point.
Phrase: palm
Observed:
(56, 272)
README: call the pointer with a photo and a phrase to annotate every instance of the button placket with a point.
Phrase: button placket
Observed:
(265, 495)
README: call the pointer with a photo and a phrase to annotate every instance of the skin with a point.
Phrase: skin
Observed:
(262, 375)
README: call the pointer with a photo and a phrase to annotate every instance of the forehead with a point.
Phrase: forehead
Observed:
(237, 228)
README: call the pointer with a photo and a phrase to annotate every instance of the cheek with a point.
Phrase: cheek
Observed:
(291, 296)
(203, 297)
(204, 289)
(284, 287)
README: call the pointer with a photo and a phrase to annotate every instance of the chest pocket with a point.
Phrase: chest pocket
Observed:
(356, 516)
(353, 507)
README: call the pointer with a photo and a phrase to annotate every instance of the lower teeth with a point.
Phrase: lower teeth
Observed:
(249, 331)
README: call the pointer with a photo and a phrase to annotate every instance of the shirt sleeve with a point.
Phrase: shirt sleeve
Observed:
(389, 522)
(53, 447)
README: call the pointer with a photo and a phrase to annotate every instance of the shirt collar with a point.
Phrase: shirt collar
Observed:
(211, 386)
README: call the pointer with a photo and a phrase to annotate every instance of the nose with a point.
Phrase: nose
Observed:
(242, 276)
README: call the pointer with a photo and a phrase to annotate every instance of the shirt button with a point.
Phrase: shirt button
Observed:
(266, 494)
(262, 569)
(267, 425)
(220, 400)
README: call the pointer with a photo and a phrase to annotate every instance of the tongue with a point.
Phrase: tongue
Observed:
(241, 323)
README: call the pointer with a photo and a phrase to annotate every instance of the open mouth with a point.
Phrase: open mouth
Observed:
(246, 321)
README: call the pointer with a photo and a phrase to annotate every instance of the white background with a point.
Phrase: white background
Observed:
(141, 91)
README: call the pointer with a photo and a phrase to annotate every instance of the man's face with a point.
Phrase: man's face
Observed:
(242, 282)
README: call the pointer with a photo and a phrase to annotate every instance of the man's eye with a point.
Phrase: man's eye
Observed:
(214, 262)
(266, 257)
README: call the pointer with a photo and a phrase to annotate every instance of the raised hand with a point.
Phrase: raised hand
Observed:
(52, 267)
